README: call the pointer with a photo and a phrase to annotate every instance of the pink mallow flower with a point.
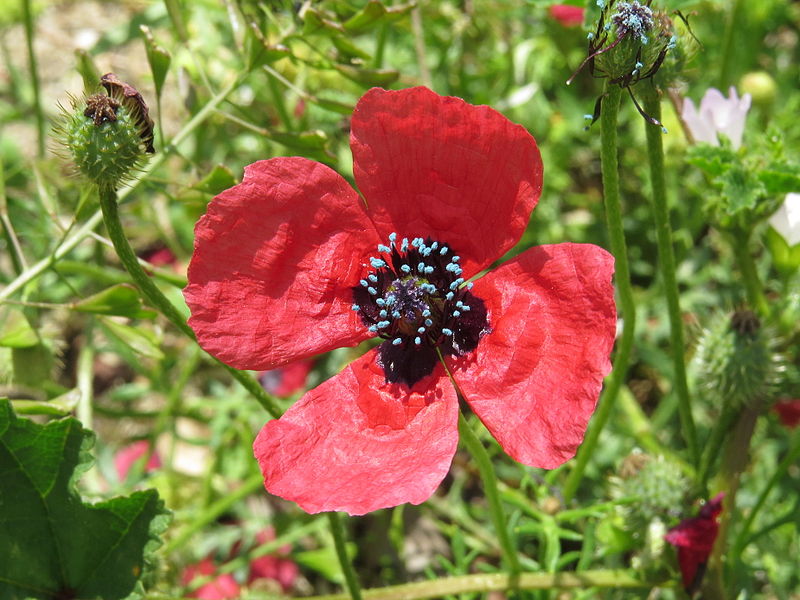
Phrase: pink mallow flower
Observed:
(127, 457)
(567, 15)
(694, 538)
(786, 220)
(717, 114)
(219, 588)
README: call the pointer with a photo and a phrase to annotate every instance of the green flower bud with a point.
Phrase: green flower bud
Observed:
(761, 86)
(657, 483)
(736, 362)
(108, 135)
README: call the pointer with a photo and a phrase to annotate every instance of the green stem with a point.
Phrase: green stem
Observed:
(752, 282)
(613, 205)
(210, 514)
(728, 53)
(742, 538)
(108, 205)
(489, 480)
(27, 12)
(350, 577)
(655, 151)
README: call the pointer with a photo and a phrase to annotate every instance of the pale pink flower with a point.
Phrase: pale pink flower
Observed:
(717, 114)
(786, 219)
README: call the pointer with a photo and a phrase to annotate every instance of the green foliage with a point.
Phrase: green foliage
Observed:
(54, 545)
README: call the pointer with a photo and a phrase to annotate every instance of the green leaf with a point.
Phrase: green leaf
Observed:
(714, 160)
(57, 407)
(740, 191)
(325, 561)
(218, 179)
(368, 77)
(15, 331)
(88, 70)
(373, 14)
(785, 257)
(141, 341)
(780, 179)
(121, 300)
(314, 22)
(348, 49)
(52, 544)
(304, 140)
(158, 58)
(259, 51)
(342, 108)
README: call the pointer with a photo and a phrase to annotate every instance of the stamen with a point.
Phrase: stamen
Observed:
(420, 330)
(364, 282)
(372, 291)
(377, 263)
(384, 249)
(397, 341)
(405, 269)
(392, 237)
(404, 245)
(372, 277)
(355, 307)
(443, 251)
(380, 301)
(418, 341)
(383, 324)
(447, 331)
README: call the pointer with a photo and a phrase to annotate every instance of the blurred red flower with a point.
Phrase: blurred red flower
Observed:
(273, 566)
(567, 15)
(694, 538)
(127, 457)
(219, 588)
(292, 263)
(788, 412)
(285, 381)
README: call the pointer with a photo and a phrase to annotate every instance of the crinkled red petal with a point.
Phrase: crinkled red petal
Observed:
(357, 444)
(436, 166)
(535, 377)
(274, 262)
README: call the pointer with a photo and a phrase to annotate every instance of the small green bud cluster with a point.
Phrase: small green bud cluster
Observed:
(108, 135)
(658, 485)
(105, 153)
(736, 362)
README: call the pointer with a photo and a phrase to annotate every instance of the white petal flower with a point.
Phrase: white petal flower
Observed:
(786, 219)
(717, 114)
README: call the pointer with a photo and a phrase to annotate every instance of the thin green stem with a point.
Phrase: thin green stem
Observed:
(489, 480)
(27, 12)
(350, 577)
(742, 538)
(128, 258)
(655, 152)
(752, 282)
(728, 53)
(714, 443)
(613, 205)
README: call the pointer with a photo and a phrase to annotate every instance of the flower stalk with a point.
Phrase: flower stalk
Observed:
(613, 206)
(350, 577)
(108, 205)
(489, 479)
(655, 152)
(740, 243)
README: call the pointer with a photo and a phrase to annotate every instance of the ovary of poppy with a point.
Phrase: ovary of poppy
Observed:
(292, 262)
(694, 538)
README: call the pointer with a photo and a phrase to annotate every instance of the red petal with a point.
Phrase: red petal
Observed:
(357, 444)
(788, 412)
(274, 260)
(435, 166)
(535, 378)
(127, 457)
(567, 15)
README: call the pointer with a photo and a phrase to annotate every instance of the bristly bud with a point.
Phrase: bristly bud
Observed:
(629, 44)
(108, 135)
(736, 362)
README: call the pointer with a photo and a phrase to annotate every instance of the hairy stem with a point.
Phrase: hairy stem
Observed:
(655, 152)
(728, 52)
(489, 480)
(108, 205)
(27, 12)
(613, 205)
(752, 282)
(350, 577)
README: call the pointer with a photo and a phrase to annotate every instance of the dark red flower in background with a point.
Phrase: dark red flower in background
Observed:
(127, 457)
(788, 412)
(285, 381)
(292, 263)
(567, 15)
(694, 538)
(276, 567)
(219, 587)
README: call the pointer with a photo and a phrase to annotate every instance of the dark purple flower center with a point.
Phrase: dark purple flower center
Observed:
(414, 296)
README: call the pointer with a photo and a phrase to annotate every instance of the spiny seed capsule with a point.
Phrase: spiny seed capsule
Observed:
(415, 297)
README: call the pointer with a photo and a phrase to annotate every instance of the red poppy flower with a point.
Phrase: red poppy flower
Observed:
(127, 457)
(292, 262)
(220, 587)
(788, 412)
(694, 538)
(567, 15)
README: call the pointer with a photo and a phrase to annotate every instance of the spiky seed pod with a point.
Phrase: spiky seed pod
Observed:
(658, 484)
(736, 362)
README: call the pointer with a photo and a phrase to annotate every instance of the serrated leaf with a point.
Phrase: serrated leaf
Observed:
(15, 331)
(368, 77)
(141, 341)
(158, 58)
(52, 544)
(780, 180)
(121, 300)
(740, 191)
(373, 14)
(714, 160)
